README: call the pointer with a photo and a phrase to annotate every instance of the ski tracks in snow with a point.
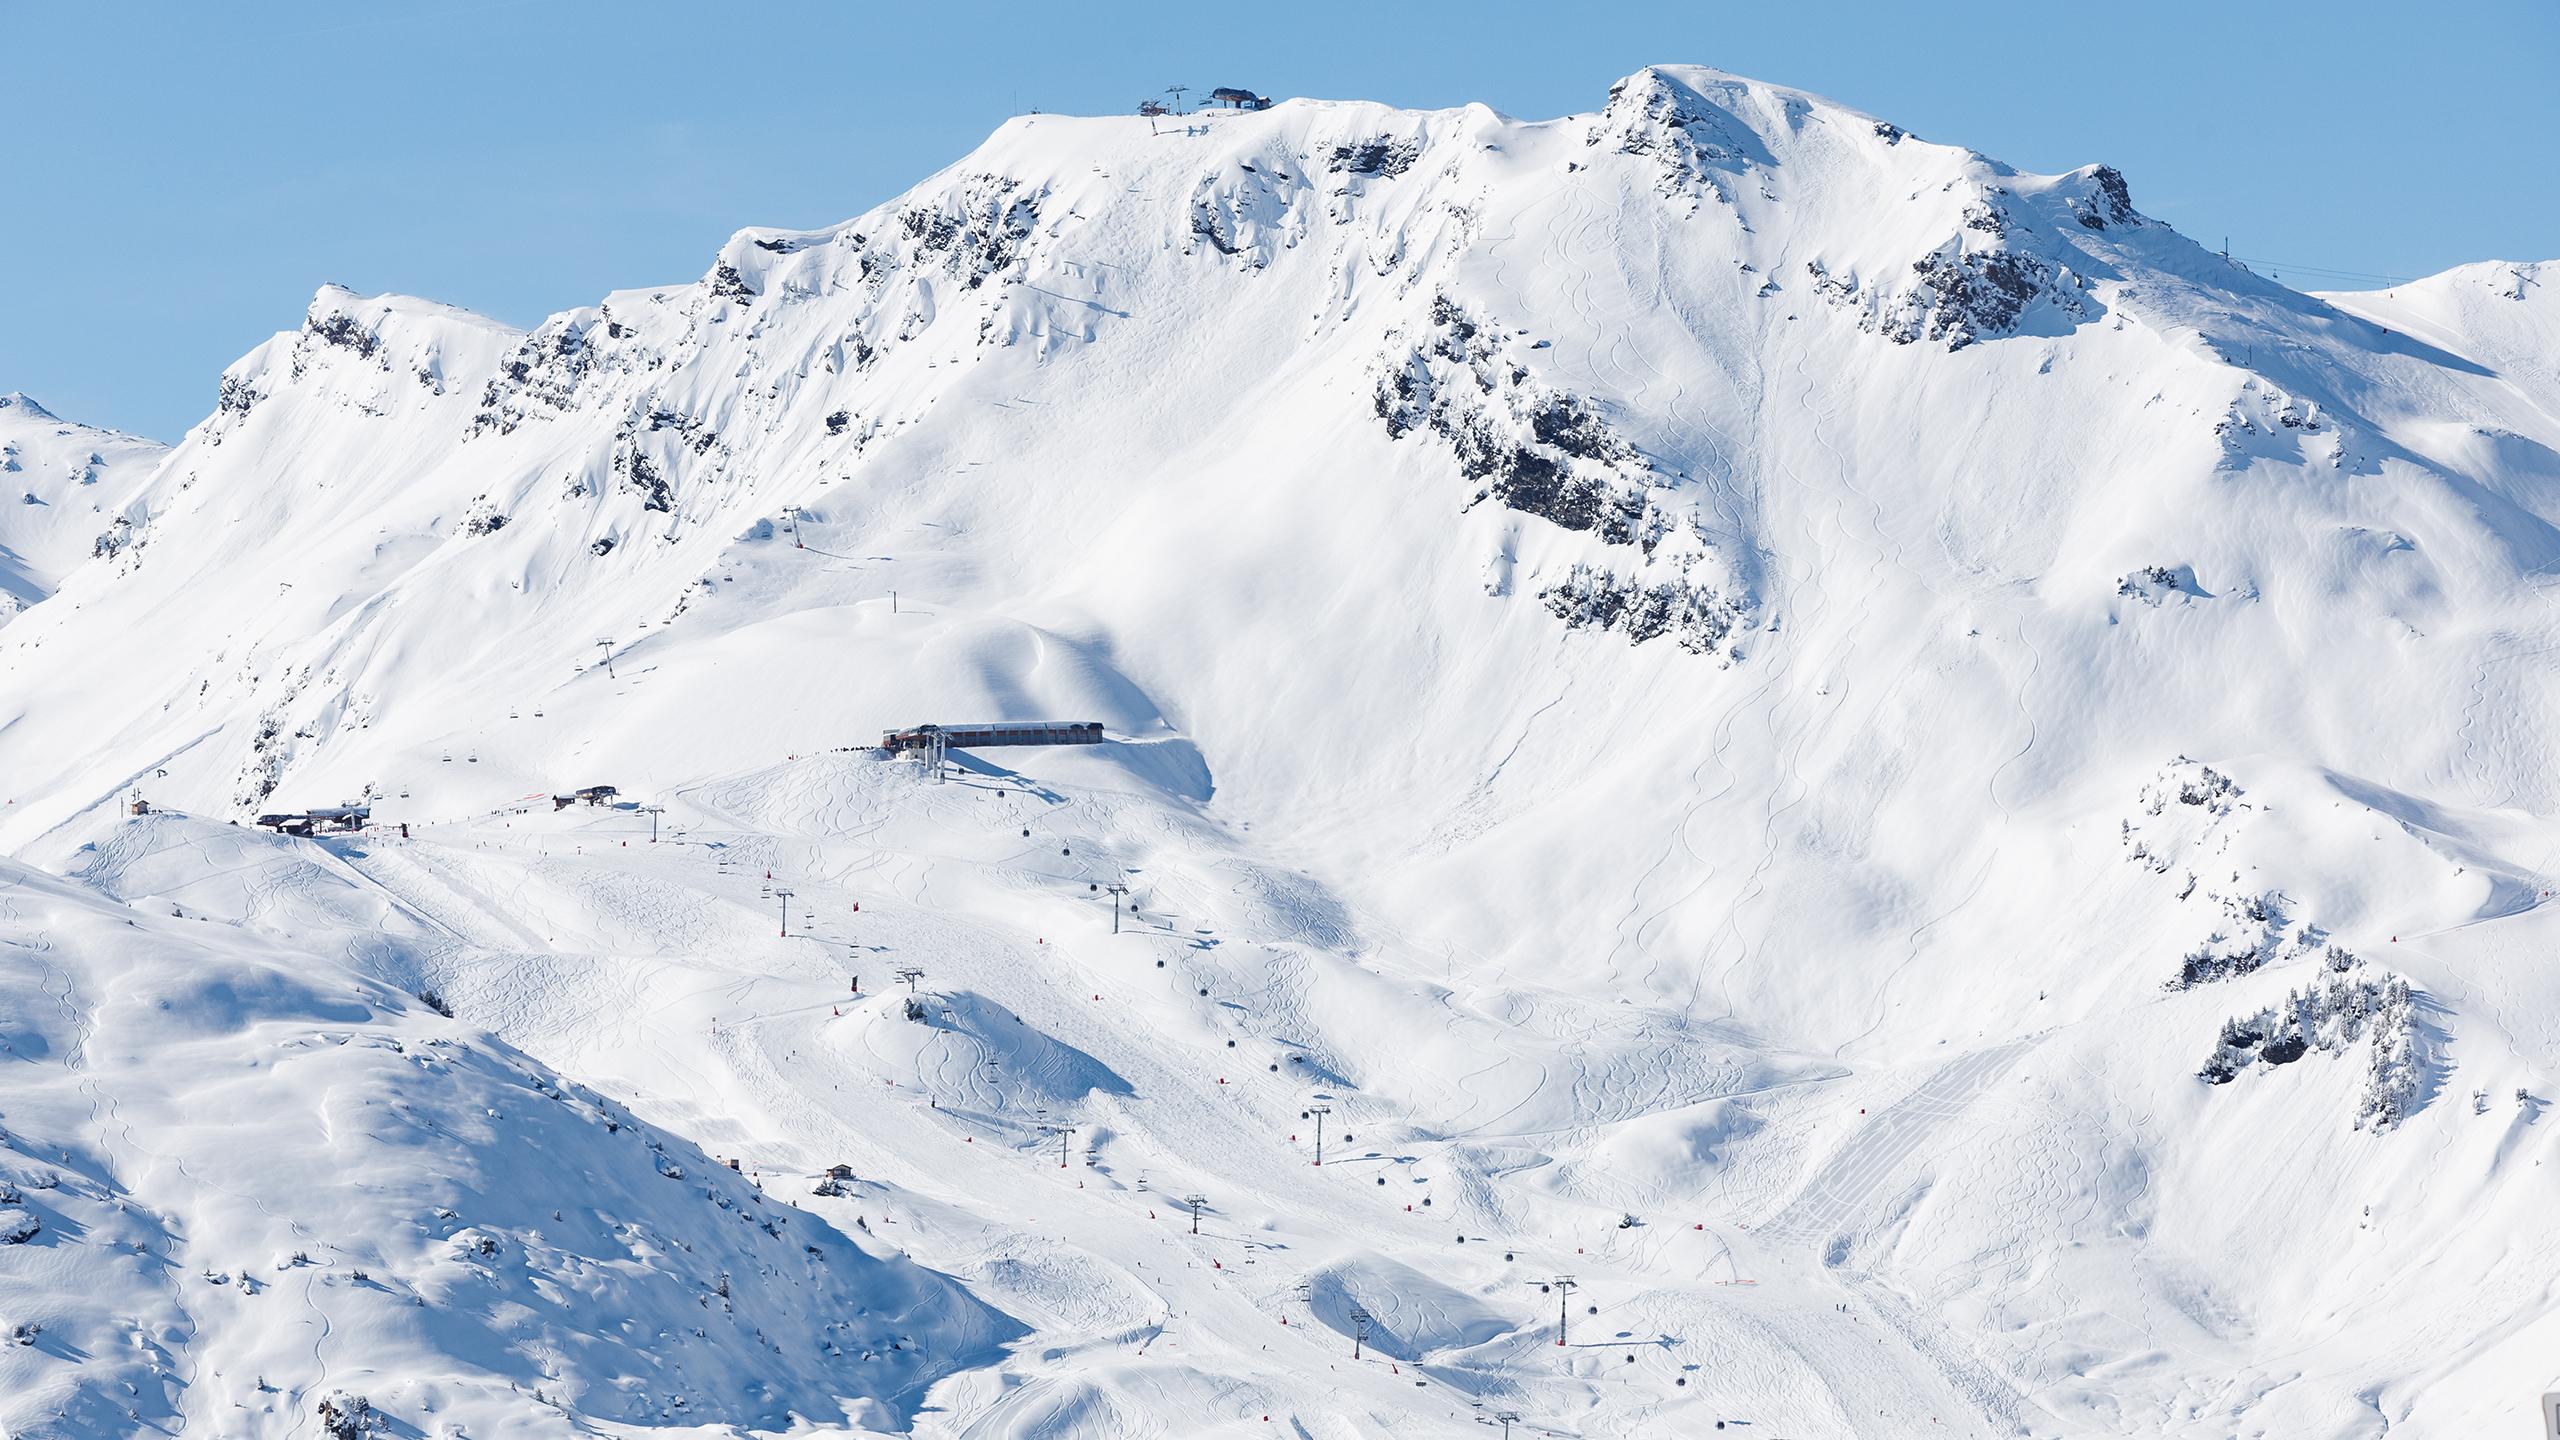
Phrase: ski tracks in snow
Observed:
(104, 1113)
(1852, 1181)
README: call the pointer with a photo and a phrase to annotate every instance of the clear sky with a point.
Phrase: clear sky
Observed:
(180, 175)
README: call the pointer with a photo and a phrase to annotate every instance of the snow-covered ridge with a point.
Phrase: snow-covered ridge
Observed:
(363, 353)
(64, 489)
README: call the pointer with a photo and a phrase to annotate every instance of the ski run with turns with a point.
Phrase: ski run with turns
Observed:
(1924, 787)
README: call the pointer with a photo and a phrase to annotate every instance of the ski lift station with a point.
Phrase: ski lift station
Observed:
(928, 738)
(1225, 97)
(327, 817)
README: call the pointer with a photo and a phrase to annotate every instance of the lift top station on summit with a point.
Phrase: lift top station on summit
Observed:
(326, 817)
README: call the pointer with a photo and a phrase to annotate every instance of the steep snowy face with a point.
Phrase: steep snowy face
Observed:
(1526, 363)
(224, 1158)
(1631, 642)
(2495, 322)
(65, 490)
(1208, 397)
(1973, 251)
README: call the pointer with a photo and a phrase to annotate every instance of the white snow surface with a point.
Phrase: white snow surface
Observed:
(261, 1181)
(1748, 698)
(63, 488)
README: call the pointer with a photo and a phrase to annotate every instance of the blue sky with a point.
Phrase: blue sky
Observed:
(180, 176)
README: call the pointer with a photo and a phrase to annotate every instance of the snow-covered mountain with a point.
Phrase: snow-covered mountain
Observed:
(1934, 791)
(63, 489)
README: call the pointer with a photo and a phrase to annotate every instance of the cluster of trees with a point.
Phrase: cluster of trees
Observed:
(2334, 1013)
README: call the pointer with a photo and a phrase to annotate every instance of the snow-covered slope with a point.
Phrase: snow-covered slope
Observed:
(1936, 792)
(238, 1184)
(63, 490)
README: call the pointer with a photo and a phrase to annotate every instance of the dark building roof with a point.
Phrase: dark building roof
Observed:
(1011, 732)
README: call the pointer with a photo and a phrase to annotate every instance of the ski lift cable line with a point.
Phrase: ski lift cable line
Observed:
(2324, 271)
